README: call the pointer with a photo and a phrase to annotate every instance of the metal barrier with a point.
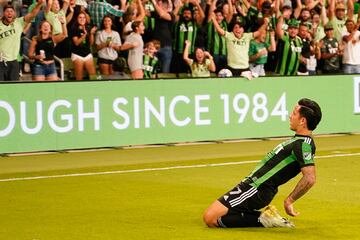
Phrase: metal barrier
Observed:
(58, 60)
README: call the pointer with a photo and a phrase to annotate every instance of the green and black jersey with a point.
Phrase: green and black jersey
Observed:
(289, 52)
(283, 163)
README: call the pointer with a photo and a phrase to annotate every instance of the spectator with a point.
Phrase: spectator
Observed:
(72, 13)
(216, 44)
(351, 40)
(52, 15)
(289, 48)
(305, 36)
(11, 29)
(164, 20)
(186, 28)
(238, 44)
(98, 9)
(202, 64)
(258, 52)
(150, 61)
(135, 44)
(338, 18)
(330, 51)
(82, 40)
(135, 12)
(107, 42)
(42, 51)
(318, 23)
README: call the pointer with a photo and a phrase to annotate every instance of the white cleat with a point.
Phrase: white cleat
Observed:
(271, 218)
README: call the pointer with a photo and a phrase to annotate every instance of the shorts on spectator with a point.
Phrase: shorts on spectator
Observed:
(39, 69)
(237, 72)
(75, 57)
(104, 61)
(257, 69)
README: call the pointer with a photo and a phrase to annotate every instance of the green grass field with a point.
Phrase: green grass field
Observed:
(161, 192)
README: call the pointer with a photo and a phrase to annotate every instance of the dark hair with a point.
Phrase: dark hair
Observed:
(135, 25)
(102, 21)
(8, 6)
(311, 111)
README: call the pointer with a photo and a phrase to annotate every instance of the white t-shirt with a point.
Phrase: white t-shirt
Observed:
(108, 52)
(352, 50)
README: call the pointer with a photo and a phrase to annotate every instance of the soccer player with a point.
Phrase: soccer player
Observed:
(11, 29)
(240, 206)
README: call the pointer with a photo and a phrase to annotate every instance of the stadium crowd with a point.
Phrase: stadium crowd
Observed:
(143, 38)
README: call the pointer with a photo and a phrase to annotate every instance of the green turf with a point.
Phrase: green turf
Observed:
(168, 204)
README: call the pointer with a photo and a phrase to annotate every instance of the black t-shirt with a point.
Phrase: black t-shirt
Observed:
(47, 45)
(83, 49)
(162, 30)
(305, 52)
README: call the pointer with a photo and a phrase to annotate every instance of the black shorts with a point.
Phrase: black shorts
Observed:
(245, 198)
(104, 61)
(237, 72)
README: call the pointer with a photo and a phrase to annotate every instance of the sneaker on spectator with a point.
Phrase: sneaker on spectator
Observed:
(27, 68)
(271, 218)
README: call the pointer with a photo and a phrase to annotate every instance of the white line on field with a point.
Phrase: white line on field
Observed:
(156, 169)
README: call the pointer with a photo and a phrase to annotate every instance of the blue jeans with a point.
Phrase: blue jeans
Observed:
(351, 69)
(164, 55)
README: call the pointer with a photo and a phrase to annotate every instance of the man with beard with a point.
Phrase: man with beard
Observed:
(289, 48)
(186, 28)
(11, 29)
(338, 17)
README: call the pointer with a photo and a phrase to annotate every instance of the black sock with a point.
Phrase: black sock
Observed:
(240, 219)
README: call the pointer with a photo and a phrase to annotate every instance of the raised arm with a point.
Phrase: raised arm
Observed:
(141, 10)
(186, 58)
(331, 11)
(211, 10)
(323, 14)
(305, 183)
(350, 9)
(279, 29)
(217, 26)
(229, 16)
(162, 13)
(298, 8)
(200, 18)
(48, 6)
(65, 5)
(262, 28)
(31, 15)
(60, 37)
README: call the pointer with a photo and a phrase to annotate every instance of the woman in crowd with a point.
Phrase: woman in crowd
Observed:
(135, 44)
(107, 42)
(42, 51)
(202, 64)
(82, 40)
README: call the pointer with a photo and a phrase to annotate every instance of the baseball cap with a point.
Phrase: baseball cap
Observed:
(293, 23)
(340, 6)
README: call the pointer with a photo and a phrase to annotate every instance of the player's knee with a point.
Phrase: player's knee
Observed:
(209, 219)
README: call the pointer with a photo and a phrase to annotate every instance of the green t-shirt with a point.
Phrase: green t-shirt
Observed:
(10, 38)
(255, 47)
(238, 49)
(54, 21)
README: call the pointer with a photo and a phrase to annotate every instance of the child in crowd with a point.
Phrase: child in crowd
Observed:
(150, 61)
